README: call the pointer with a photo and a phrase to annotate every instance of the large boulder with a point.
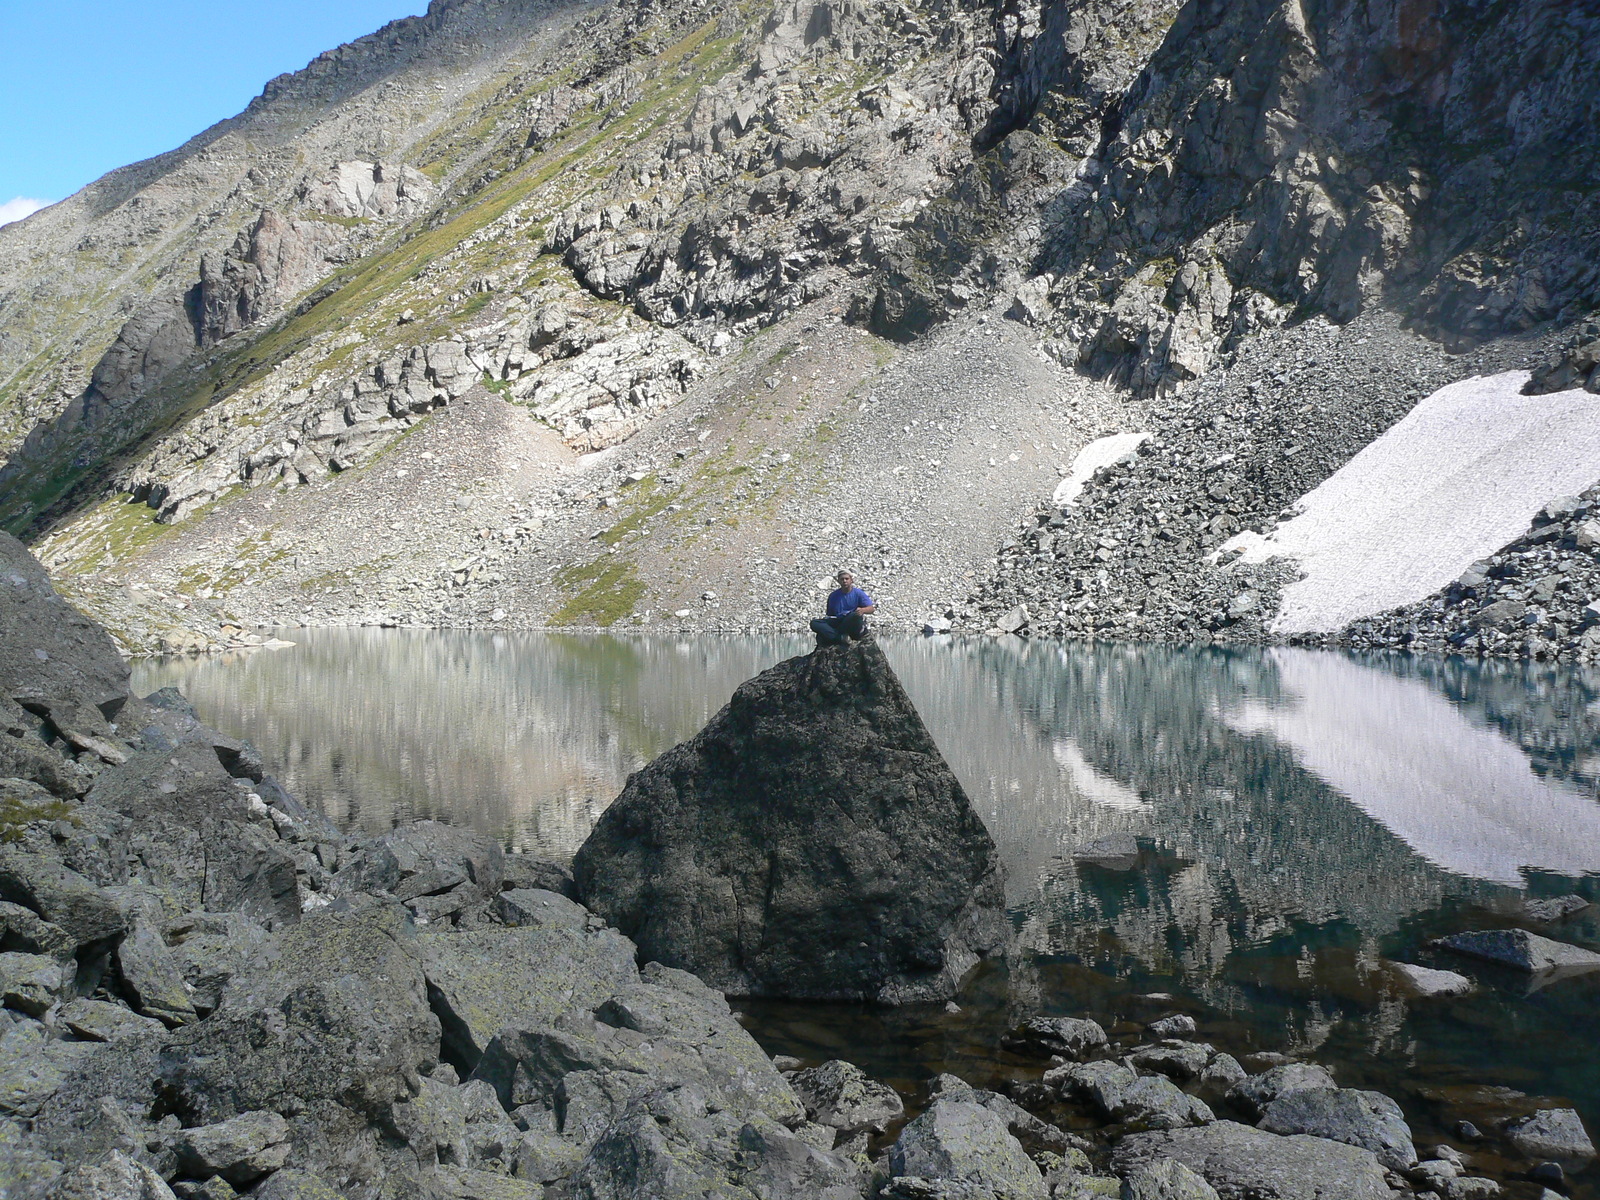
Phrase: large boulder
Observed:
(962, 1142)
(1122, 1094)
(54, 660)
(1553, 1133)
(809, 842)
(1242, 1163)
(841, 1096)
(1367, 1119)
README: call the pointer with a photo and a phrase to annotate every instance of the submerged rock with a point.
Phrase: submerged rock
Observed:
(1426, 981)
(1523, 951)
(809, 842)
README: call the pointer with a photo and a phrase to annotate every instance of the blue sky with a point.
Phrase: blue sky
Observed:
(87, 86)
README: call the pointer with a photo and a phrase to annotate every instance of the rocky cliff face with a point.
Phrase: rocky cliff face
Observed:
(590, 214)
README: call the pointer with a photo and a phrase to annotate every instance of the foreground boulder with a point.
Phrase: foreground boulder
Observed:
(810, 842)
(1251, 1164)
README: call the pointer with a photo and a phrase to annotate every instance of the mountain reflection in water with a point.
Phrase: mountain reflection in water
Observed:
(1302, 815)
(1270, 787)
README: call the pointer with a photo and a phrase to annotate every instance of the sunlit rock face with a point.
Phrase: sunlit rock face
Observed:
(810, 842)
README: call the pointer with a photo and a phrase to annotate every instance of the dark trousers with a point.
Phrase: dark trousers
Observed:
(830, 630)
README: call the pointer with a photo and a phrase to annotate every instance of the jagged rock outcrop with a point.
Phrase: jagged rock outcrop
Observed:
(809, 842)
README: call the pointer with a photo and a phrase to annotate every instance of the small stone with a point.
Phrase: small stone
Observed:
(1012, 621)
(1468, 1132)
(1554, 908)
(1548, 1172)
(1066, 1036)
(1425, 981)
(1176, 1026)
(1114, 852)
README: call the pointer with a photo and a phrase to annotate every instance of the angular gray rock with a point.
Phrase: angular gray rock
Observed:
(30, 983)
(102, 1021)
(1242, 1163)
(1357, 1118)
(1256, 1093)
(1523, 951)
(1165, 1179)
(334, 1020)
(1552, 1133)
(961, 1142)
(1174, 1059)
(59, 895)
(54, 660)
(669, 1142)
(842, 1096)
(1121, 1094)
(1176, 1026)
(485, 981)
(292, 1184)
(115, 1177)
(240, 1150)
(1070, 1037)
(151, 975)
(809, 842)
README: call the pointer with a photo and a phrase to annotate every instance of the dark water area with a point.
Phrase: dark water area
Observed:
(1303, 817)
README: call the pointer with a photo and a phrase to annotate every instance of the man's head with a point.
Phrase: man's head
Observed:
(846, 580)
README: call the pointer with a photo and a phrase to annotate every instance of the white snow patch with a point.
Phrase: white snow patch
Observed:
(1101, 452)
(1458, 477)
(1460, 794)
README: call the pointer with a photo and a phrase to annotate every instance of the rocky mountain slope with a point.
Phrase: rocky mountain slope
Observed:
(578, 314)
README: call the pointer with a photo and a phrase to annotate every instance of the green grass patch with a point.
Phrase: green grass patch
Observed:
(474, 306)
(604, 592)
(17, 814)
(653, 504)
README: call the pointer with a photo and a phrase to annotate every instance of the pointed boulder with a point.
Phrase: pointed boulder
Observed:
(809, 842)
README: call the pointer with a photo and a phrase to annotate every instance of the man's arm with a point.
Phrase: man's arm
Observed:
(869, 606)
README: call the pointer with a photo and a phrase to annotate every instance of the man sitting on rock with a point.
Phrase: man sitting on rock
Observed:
(848, 607)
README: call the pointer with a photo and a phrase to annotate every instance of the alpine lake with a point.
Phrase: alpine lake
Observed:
(1302, 817)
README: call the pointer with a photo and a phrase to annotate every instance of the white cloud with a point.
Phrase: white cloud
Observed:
(21, 206)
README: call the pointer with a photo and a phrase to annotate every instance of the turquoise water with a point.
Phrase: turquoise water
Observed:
(1302, 815)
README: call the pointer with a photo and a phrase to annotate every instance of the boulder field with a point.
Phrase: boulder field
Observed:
(208, 991)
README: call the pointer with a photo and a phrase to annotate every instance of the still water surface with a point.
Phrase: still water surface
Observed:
(1303, 815)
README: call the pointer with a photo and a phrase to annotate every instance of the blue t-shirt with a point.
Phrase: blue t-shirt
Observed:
(841, 602)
